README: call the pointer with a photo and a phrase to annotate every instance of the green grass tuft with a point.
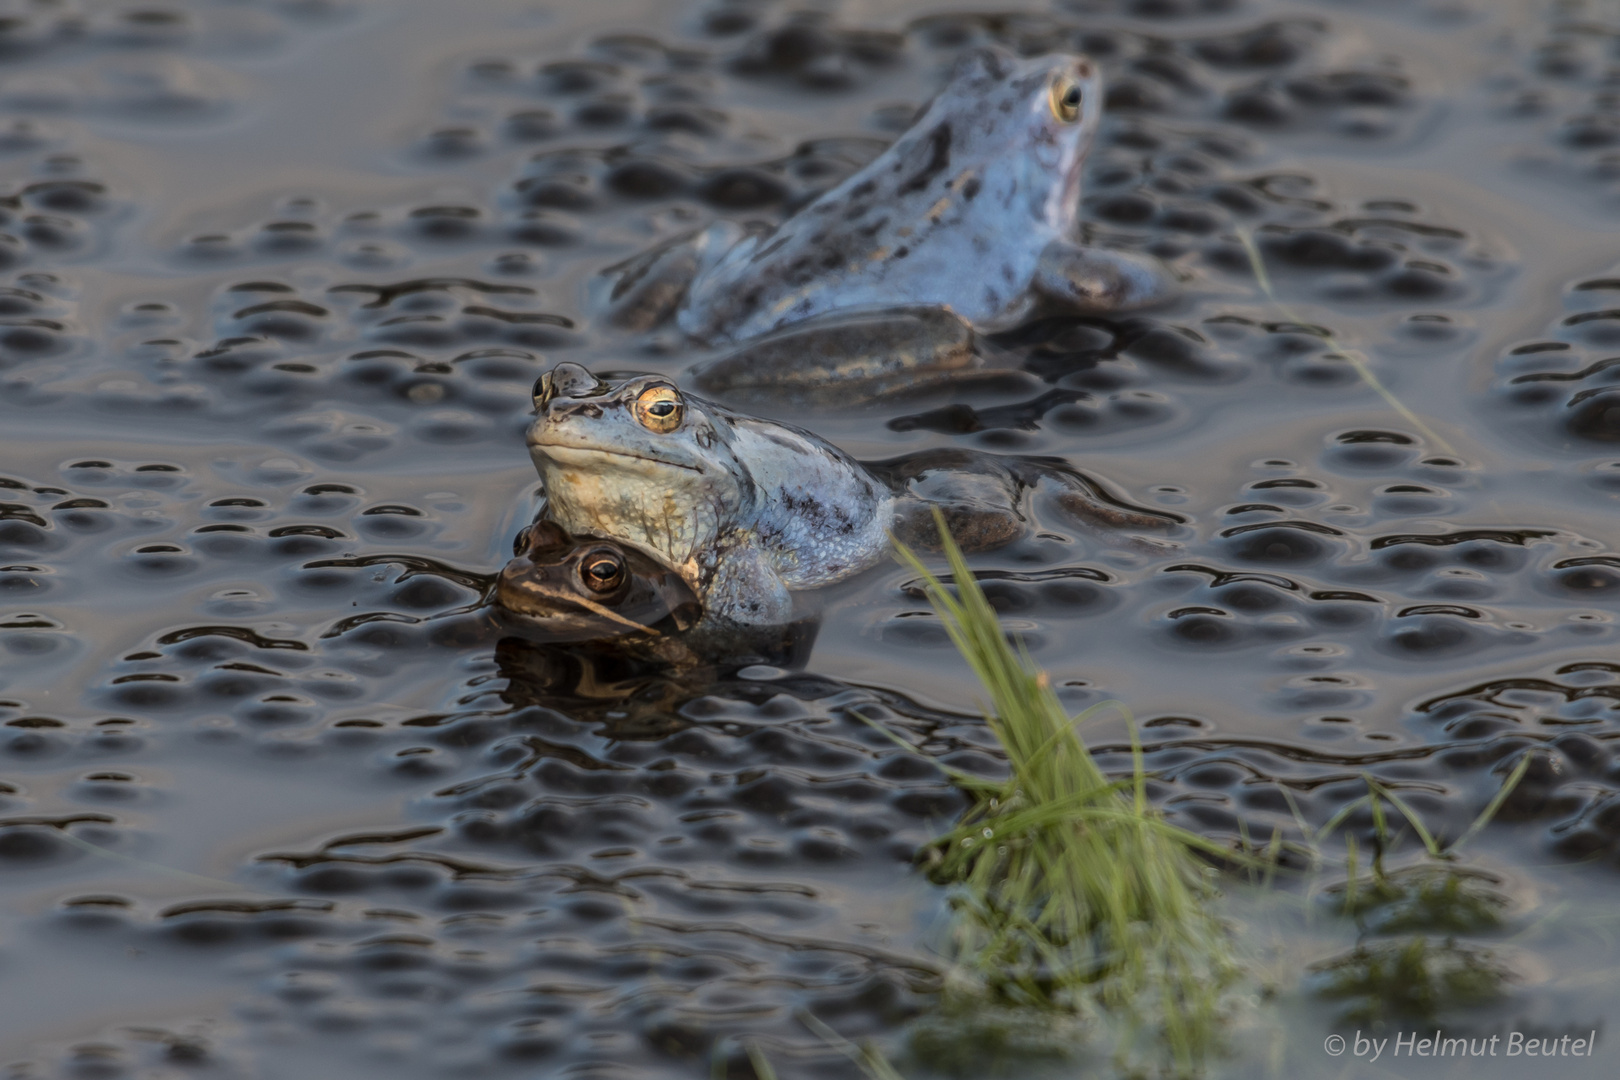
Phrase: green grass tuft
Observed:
(1072, 891)
(1081, 915)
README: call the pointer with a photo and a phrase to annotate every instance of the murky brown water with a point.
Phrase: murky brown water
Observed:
(278, 277)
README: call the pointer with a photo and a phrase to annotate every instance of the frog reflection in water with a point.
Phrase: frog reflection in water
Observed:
(969, 222)
(746, 510)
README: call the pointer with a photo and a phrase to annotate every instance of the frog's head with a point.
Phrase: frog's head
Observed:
(583, 588)
(1024, 126)
(636, 459)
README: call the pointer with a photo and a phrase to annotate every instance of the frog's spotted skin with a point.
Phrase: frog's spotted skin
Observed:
(746, 510)
(973, 209)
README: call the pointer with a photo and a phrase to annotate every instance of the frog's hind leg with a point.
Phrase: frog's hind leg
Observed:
(974, 526)
(848, 357)
(1098, 280)
(645, 290)
(976, 495)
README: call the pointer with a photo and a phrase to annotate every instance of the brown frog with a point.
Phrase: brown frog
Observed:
(567, 588)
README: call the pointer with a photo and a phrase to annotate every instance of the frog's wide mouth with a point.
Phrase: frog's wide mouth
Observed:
(563, 452)
(558, 622)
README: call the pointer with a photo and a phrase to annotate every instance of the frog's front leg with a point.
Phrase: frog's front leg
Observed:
(643, 291)
(743, 587)
(1099, 280)
(847, 357)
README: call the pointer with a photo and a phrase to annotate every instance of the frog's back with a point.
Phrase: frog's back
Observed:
(956, 213)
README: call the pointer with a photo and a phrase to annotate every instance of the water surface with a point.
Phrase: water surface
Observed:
(278, 278)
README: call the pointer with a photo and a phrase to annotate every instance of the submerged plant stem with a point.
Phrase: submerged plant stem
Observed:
(1356, 360)
(146, 864)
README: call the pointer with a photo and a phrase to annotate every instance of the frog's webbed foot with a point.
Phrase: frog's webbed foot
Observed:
(978, 497)
(643, 291)
(847, 358)
(1099, 280)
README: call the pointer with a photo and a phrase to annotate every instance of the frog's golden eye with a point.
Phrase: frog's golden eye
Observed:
(1065, 99)
(602, 571)
(659, 409)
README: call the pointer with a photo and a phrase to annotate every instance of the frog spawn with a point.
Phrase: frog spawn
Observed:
(391, 239)
(1258, 600)
(153, 65)
(436, 912)
(1558, 94)
(448, 360)
(1289, 575)
(437, 908)
(364, 927)
(240, 552)
(1565, 380)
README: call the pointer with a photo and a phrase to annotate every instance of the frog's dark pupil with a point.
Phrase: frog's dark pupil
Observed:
(661, 408)
(1072, 98)
(603, 574)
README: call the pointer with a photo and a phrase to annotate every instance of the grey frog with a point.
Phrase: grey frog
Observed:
(972, 214)
(748, 511)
